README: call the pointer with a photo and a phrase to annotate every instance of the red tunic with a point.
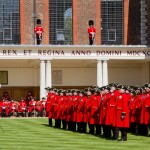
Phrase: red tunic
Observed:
(55, 107)
(145, 111)
(49, 110)
(87, 110)
(132, 109)
(69, 108)
(12, 107)
(95, 103)
(120, 108)
(80, 110)
(62, 108)
(4, 105)
(38, 30)
(138, 106)
(22, 106)
(32, 105)
(42, 104)
(76, 100)
(111, 108)
(91, 29)
(103, 108)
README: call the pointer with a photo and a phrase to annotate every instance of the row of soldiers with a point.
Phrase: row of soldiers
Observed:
(107, 110)
(22, 108)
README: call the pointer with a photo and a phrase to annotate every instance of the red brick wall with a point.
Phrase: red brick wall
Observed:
(22, 21)
(126, 18)
(86, 10)
(27, 20)
(46, 22)
(75, 21)
(83, 11)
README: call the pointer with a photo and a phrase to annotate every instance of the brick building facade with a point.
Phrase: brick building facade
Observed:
(82, 12)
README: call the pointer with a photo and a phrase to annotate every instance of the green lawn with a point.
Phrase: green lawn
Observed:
(34, 134)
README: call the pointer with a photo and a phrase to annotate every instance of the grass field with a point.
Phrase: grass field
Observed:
(34, 134)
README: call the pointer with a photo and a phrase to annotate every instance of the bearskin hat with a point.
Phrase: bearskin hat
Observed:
(91, 22)
(38, 21)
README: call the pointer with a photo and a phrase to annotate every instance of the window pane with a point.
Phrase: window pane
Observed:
(9, 21)
(60, 22)
(112, 21)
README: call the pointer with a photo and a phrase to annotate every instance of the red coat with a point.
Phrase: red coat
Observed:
(80, 110)
(132, 109)
(87, 110)
(38, 30)
(42, 105)
(49, 111)
(103, 108)
(22, 106)
(55, 106)
(69, 108)
(138, 107)
(59, 107)
(120, 108)
(4, 105)
(110, 107)
(12, 107)
(91, 29)
(76, 100)
(32, 105)
(62, 108)
(95, 103)
(145, 111)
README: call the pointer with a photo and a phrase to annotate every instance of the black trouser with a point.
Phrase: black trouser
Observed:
(84, 126)
(64, 124)
(98, 129)
(116, 133)
(133, 127)
(107, 131)
(123, 134)
(57, 123)
(38, 40)
(73, 126)
(79, 126)
(91, 41)
(69, 125)
(91, 128)
(50, 121)
(3, 114)
(143, 129)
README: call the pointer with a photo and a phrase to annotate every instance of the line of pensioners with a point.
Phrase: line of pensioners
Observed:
(25, 107)
(106, 110)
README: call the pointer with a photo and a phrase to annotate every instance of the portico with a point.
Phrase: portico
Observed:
(78, 65)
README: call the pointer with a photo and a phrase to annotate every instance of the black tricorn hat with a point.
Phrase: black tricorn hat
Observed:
(122, 87)
(91, 22)
(38, 21)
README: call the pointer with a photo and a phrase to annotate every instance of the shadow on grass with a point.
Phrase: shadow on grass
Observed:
(96, 135)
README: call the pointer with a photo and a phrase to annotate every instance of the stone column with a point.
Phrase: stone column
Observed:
(99, 73)
(48, 74)
(105, 73)
(42, 79)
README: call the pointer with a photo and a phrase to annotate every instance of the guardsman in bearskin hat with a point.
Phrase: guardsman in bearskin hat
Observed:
(91, 32)
(39, 32)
